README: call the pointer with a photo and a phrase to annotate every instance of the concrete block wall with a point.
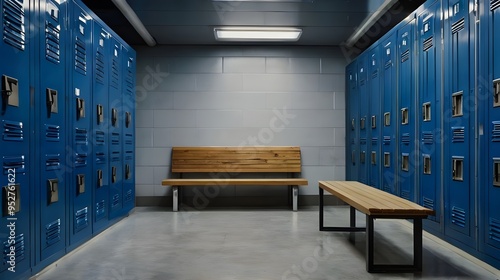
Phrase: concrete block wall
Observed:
(241, 95)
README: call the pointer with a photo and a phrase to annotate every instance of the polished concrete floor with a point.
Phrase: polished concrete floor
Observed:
(155, 243)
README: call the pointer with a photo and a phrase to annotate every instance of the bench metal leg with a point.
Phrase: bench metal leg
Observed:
(175, 197)
(352, 220)
(295, 197)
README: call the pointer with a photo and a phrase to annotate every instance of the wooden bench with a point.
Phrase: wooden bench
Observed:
(233, 161)
(376, 204)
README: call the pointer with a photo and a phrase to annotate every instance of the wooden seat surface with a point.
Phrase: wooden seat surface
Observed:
(240, 182)
(373, 201)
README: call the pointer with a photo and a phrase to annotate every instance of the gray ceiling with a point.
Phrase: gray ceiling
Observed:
(191, 22)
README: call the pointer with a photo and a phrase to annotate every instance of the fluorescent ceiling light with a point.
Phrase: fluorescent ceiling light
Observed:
(132, 17)
(257, 34)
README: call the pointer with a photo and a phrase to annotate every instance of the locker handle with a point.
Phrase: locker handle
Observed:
(496, 172)
(128, 119)
(80, 108)
(100, 114)
(496, 93)
(99, 178)
(53, 186)
(80, 181)
(113, 174)
(51, 95)
(127, 171)
(114, 116)
(10, 91)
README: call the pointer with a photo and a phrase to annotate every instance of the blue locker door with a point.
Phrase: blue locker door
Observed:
(406, 113)
(16, 186)
(53, 163)
(80, 101)
(374, 117)
(459, 113)
(115, 133)
(429, 46)
(128, 126)
(364, 130)
(101, 123)
(491, 191)
(352, 123)
(388, 116)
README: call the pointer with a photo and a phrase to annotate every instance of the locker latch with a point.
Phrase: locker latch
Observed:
(362, 123)
(51, 101)
(387, 159)
(53, 190)
(362, 157)
(11, 199)
(374, 121)
(426, 111)
(99, 178)
(353, 157)
(374, 158)
(427, 164)
(80, 108)
(128, 119)
(387, 119)
(458, 169)
(127, 171)
(114, 117)
(10, 91)
(405, 162)
(496, 93)
(113, 174)
(80, 183)
(457, 104)
(353, 124)
(496, 172)
(404, 116)
(100, 114)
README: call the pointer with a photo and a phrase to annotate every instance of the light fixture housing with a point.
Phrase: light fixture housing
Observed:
(257, 34)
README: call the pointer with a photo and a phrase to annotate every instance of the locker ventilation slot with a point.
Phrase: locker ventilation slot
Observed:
(52, 40)
(494, 4)
(81, 136)
(13, 23)
(53, 162)
(353, 141)
(458, 216)
(100, 158)
(80, 56)
(427, 137)
(81, 219)
(129, 155)
(100, 137)
(428, 43)
(115, 156)
(458, 26)
(428, 203)
(405, 195)
(115, 70)
(99, 67)
(13, 131)
(494, 232)
(458, 134)
(115, 139)
(13, 162)
(375, 74)
(80, 159)
(387, 189)
(53, 232)
(129, 139)
(116, 200)
(19, 248)
(362, 141)
(405, 56)
(128, 196)
(374, 141)
(405, 138)
(387, 140)
(100, 210)
(496, 132)
(52, 133)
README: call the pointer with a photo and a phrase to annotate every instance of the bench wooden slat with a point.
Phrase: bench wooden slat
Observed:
(373, 201)
(241, 182)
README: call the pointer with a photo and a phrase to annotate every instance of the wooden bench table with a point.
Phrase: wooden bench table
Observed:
(376, 204)
(234, 161)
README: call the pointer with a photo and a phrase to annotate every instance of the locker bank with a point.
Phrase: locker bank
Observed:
(402, 96)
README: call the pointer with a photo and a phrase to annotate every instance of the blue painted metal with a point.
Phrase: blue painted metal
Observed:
(15, 157)
(80, 126)
(364, 114)
(53, 166)
(389, 113)
(406, 113)
(352, 125)
(459, 117)
(374, 119)
(429, 93)
(101, 123)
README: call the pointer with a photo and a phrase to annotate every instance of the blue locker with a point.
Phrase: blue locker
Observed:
(101, 124)
(352, 160)
(16, 158)
(364, 129)
(115, 130)
(406, 113)
(430, 105)
(490, 186)
(80, 125)
(128, 126)
(388, 116)
(53, 163)
(374, 117)
(459, 114)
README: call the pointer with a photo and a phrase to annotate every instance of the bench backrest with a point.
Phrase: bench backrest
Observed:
(236, 159)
